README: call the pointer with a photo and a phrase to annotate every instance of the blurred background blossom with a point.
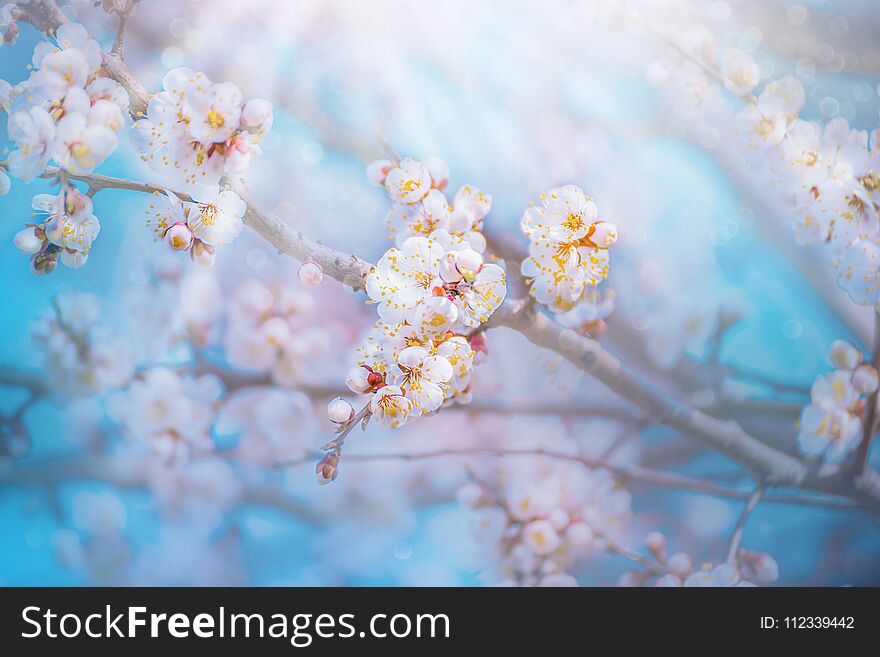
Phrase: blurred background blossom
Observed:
(709, 295)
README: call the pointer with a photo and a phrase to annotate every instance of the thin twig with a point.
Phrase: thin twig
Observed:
(626, 473)
(124, 14)
(736, 536)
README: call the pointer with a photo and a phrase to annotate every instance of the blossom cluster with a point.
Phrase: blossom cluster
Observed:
(535, 518)
(197, 131)
(831, 171)
(831, 425)
(65, 231)
(688, 69)
(197, 227)
(80, 356)
(568, 248)
(69, 113)
(270, 328)
(169, 412)
(431, 291)
(748, 568)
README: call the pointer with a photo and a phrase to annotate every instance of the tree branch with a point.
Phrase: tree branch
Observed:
(736, 536)
(625, 473)
(103, 468)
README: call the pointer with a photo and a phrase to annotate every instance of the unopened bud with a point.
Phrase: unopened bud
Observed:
(257, 115)
(479, 343)
(358, 380)
(179, 237)
(378, 170)
(656, 543)
(865, 379)
(340, 411)
(27, 241)
(679, 564)
(603, 234)
(327, 469)
(579, 534)
(310, 273)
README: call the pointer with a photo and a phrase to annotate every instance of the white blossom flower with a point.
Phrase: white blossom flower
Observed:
(193, 133)
(60, 72)
(408, 182)
(33, 132)
(80, 147)
(213, 109)
(71, 223)
(423, 377)
(831, 425)
(739, 71)
(563, 257)
(404, 276)
(844, 356)
(540, 537)
(390, 407)
(70, 36)
(858, 272)
(218, 221)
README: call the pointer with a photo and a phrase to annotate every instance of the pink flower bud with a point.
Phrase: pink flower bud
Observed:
(469, 261)
(449, 268)
(579, 534)
(27, 241)
(865, 379)
(327, 469)
(179, 237)
(679, 564)
(310, 273)
(603, 234)
(479, 343)
(559, 518)
(340, 411)
(758, 567)
(256, 115)
(656, 543)
(378, 170)
(358, 380)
